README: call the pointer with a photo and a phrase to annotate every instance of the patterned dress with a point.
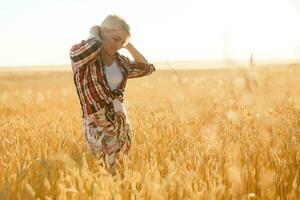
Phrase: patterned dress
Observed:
(106, 129)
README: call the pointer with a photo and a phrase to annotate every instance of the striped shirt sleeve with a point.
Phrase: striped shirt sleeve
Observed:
(137, 69)
(85, 52)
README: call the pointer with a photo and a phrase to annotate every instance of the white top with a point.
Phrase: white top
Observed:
(114, 75)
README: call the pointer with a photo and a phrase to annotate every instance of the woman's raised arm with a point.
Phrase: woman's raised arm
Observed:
(85, 52)
(140, 66)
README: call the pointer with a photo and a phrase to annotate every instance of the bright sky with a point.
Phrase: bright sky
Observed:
(35, 32)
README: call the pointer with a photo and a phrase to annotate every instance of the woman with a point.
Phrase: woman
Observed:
(100, 74)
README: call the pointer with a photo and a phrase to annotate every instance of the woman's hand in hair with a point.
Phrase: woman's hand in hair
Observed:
(137, 56)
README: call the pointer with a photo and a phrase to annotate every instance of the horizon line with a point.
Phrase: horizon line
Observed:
(230, 60)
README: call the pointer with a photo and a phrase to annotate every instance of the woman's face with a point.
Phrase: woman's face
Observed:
(113, 40)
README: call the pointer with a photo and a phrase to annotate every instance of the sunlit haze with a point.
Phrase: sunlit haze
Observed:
(41, 32)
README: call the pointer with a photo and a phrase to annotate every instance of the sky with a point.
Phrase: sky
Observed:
(35, 32)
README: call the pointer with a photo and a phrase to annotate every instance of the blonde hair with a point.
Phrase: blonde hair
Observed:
(115, 22)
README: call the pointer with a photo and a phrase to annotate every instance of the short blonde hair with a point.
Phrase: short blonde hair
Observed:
(115, 22)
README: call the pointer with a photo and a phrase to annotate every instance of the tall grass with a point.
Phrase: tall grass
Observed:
(210, 134)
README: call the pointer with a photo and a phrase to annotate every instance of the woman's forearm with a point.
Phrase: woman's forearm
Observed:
(137, 56)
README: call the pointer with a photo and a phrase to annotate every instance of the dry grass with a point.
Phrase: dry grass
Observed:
(210, 134)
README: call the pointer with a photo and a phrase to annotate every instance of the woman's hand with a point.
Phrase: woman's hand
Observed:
(95, 32)
(137, 56)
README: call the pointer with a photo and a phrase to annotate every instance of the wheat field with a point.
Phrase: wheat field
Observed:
(198, 134)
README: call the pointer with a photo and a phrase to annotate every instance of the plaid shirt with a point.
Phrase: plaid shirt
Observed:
(89, 76)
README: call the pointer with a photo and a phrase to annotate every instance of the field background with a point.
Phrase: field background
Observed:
(198, 134)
